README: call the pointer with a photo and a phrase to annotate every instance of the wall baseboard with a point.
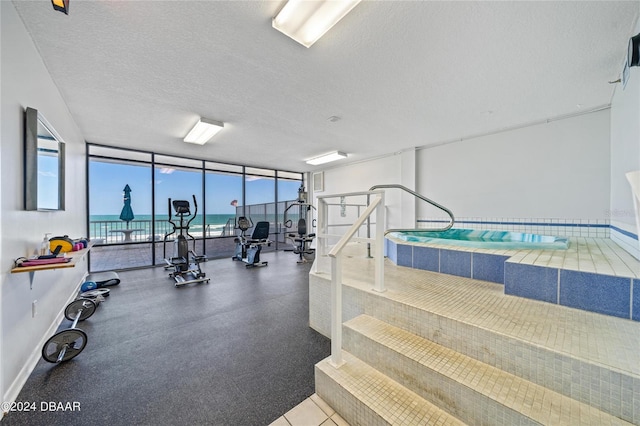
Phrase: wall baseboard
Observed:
(12, 393)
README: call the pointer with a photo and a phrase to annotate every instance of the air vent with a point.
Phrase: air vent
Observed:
(318, 182)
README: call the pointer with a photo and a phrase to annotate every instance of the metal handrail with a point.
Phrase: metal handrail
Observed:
(336, 256)
(423, 198)
(335, 251)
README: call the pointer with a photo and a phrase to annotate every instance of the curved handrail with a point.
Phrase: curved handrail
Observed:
(423, 198)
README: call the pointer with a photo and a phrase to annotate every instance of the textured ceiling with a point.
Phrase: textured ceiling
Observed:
(399, 74)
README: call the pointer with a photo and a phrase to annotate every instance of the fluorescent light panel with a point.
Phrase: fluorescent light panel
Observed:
(306, 21)
(327, 158)
(204, 130)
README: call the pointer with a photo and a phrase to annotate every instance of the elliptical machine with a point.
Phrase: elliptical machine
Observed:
(185, 263)
(248, 249)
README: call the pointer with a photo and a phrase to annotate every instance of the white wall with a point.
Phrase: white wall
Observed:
(408, 180)
(558, 169)
(26, 82)
(362, 176)
(625, 156)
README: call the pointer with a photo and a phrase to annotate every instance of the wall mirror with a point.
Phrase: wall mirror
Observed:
(44, 164)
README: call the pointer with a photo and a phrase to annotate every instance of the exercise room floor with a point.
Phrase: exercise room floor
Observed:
(236, 351)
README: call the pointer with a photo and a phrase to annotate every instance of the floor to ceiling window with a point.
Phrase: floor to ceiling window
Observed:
(177, 179)
(223, 194)
(119, 186)
(128, 204)
(289, 191)
(260, 199)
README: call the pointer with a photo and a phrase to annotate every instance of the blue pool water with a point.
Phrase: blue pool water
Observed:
(485, 239)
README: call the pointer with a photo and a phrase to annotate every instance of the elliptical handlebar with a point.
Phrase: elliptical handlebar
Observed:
(169, 211)
(195, 211)
(182, 208)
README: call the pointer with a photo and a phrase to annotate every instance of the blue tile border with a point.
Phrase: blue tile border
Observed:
(549, 224)
(454, 262)
(426, 258)
(604, 294)
(635, 300)
(490, 222)
(405, 255)
(488, 267)
(532, 282)
(625, 233)
(392, 250)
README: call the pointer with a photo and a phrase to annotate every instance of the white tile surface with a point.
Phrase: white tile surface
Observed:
(589, 355)
(307, 413)
(323, 405)
(280, 421)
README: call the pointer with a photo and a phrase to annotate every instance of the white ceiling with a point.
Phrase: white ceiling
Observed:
(400, 74)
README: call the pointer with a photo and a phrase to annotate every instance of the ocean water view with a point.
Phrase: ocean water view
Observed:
(109, 228)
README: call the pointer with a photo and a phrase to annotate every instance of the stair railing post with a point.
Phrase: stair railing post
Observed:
(379, 249)
(336, 311)
(323, 214)
(368, 228)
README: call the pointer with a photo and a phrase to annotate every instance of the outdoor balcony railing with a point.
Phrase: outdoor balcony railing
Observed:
(117, 231)
(141, 230)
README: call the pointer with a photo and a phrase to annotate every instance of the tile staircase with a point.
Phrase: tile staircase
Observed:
(439, 349)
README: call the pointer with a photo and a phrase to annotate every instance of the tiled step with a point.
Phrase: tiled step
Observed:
(586, 356)
(472, 391)
(365, 397)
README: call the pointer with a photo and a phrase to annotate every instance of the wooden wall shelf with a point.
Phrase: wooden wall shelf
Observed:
(75, 256)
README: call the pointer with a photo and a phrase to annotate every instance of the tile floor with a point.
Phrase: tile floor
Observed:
(584, 254)
(597, 255)
(571, 338)
(313, 411)
(603, 339)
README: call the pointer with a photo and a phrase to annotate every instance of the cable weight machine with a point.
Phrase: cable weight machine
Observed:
(301, 238)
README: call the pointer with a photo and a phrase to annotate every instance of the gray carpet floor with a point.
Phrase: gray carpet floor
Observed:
(236, 351)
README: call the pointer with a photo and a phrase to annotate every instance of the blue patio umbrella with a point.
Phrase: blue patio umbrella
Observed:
(127, 214)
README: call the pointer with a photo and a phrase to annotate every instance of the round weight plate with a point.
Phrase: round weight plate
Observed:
(72, 341)
(104, 292)
(87, 306)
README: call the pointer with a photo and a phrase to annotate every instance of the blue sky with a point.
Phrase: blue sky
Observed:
(107, 180)
(48, 182)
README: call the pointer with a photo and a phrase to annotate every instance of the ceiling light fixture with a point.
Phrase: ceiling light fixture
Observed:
(204, 130)
(326, 158)
(307, 21)
(61, 5)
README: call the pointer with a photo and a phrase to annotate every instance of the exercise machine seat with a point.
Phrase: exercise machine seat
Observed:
(302, 235)
(260, 232)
